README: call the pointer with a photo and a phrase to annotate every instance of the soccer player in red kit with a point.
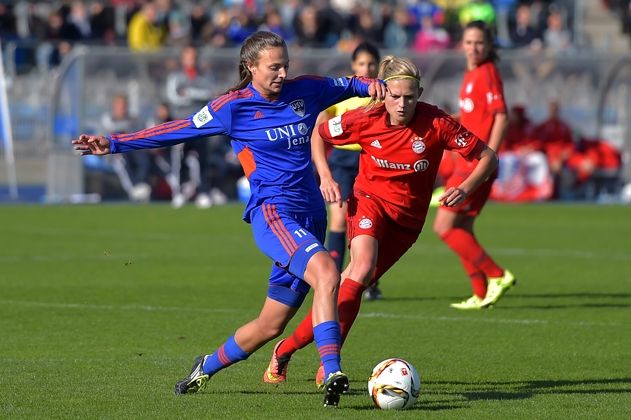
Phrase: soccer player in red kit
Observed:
(402, 144)
(483, 111)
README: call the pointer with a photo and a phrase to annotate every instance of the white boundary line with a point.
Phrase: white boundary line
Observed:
(384, 315)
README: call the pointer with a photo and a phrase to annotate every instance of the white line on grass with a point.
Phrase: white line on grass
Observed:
(149, 308)
(132, 307)
(74, 257)
(553, 253)
(492, 320)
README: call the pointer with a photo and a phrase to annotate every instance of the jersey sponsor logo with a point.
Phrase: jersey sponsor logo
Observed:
(365, 223)
(298, 106)
(335, 126)
(310, 247)
(418, 166)
(376, 143)
(461, 140)
(294, 134)
(466, 105)
(421, 165)
(202, 117)
(418, 146)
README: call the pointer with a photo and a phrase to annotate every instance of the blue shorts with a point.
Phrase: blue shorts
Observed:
(290, 240)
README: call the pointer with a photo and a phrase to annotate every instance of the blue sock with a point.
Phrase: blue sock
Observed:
(328, 338)
(337, 248)
(226, 355)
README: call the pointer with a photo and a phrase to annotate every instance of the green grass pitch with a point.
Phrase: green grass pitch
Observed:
(103, 308)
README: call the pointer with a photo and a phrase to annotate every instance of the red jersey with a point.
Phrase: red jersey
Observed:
(481, 97)
(398, 164)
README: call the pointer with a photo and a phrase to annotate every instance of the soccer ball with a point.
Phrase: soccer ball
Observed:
(394, 384)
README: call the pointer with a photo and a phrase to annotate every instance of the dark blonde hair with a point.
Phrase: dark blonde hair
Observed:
(250, 52)
(392, 67)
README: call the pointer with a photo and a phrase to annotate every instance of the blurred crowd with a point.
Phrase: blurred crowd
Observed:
(202, 172)
(554, 161)
(543, 161)
(418, 25)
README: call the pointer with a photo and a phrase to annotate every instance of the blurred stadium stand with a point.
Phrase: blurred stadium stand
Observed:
(48, 108)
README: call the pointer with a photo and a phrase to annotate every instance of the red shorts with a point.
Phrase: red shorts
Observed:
(473, 204)
(366, 216)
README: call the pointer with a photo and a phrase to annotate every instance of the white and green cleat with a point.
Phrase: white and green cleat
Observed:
(474, 302)
(496, 288)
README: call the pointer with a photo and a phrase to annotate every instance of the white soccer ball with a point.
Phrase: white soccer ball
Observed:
(394, 384)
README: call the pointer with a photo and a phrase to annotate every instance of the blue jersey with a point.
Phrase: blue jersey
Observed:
(271, 138)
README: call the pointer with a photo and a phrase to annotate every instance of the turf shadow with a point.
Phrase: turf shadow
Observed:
(572, 295)
(507, 390)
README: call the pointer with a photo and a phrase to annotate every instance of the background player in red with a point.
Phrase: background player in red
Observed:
(483, 111)
(402, 144)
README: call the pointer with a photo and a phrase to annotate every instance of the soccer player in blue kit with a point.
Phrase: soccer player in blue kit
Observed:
(269, 119)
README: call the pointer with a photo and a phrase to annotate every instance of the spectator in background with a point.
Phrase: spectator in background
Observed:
(79, 19)
(524, 34)
(133, 169)
(421, 9)
(188, 90)
(307, 28)
(593, 171)
(397, 34)
(556, 37)
(273, 22)
(199, 22)
(102, 23)
(520, 133)
(365, 27)
(430, 37)
(556, 140)
(145, 33)
(503, 9)
(8, 29)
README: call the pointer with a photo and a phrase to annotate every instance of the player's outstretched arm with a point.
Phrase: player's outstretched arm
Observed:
(92, 145)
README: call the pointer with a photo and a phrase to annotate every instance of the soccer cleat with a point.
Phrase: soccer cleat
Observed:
(195, 381)
(319, 379)
(497, 287)
(474, 302)
(373, 293)
(336, 385)
(276, 372)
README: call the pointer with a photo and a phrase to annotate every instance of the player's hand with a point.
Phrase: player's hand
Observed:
(377, 90)
(330, 190)
(452, 197)
(92, 145)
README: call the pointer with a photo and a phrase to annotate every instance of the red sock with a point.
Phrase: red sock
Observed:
(467, 247)
(348, 303)
(478, 279)
(301, 337)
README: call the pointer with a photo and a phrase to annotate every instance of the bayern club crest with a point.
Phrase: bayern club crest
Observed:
(365, 223)
(298, 106)
(418, 146)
